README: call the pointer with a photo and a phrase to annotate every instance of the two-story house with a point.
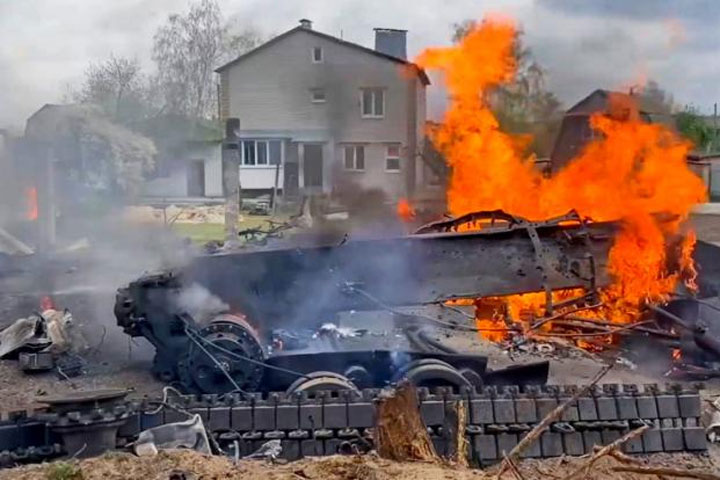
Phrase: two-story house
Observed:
(317, 111)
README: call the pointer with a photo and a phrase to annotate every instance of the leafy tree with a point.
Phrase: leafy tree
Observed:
(187, 50)
(692, 126)
(524, 106)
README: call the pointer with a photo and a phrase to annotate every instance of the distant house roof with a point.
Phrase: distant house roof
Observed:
(576, 132)
(421, 73)
(605, 100)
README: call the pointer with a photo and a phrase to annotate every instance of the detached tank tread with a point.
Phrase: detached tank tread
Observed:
(320, 423)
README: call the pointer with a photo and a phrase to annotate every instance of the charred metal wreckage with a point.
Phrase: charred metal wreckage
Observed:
(229, 330)
(263, 291)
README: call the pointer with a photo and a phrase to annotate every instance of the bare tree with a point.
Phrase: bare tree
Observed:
(118, 87)
(187, 50)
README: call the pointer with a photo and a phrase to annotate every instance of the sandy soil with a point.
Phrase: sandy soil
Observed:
(191, 465)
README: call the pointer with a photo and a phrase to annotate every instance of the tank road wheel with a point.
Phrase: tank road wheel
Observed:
(321, 381)
(430, 372)
(230, 340)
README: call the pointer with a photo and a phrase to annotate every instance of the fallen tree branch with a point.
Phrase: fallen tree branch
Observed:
(621, 457)
(669, 472)
(604, 451)
(549, 418)
(513, 468)
(595, 334)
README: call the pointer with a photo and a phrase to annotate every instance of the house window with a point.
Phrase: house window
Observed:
(354, 157)
(261, 153)
(317, 55)
(392, 158)
(372, 102)
(318, 95)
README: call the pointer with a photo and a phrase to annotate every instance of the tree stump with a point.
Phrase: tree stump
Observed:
(400, 432)
(454, 433)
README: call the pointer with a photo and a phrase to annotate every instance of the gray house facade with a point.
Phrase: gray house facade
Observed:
(317, 113)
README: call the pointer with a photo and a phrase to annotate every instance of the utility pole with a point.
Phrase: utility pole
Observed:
(231, 180)
(715, 127)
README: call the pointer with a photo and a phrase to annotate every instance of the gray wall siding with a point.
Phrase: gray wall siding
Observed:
(175, 184)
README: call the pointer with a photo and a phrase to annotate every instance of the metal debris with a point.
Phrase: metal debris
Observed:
(270, 450)
(27, 333)
(188, 434)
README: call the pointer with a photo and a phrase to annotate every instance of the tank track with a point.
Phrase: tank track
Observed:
(326, 423)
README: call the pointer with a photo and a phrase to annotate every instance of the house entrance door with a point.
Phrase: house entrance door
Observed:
(313, 166)
(196, 178)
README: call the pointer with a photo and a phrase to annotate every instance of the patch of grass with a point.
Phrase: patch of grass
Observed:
(202, 233)
(63, 471)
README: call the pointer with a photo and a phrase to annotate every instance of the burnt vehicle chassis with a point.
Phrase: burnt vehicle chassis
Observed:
(294, 288)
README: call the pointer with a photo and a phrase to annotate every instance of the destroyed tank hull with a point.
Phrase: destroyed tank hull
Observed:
(212, 322)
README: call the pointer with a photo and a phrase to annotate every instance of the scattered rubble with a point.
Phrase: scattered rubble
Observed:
(44, 341)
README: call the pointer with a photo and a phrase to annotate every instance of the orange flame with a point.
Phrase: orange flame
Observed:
(630, 171)
(405, 210)
(32, 203)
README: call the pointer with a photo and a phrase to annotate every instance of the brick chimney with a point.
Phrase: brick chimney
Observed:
(391, 41)
(305, 23)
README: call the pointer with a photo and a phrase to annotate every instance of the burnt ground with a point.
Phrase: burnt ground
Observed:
(117, 362)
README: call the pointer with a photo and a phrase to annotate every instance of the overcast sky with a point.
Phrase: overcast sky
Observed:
(583, 44)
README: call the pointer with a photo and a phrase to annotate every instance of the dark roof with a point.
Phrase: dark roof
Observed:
(421, 73)
(601, 100)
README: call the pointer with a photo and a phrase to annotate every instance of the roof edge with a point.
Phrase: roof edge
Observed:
(420, 72)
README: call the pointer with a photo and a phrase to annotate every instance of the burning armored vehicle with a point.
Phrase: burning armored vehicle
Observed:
(233, 322)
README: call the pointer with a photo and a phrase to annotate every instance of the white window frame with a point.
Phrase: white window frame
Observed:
(267, 141)
(312, 54)
(373, 91)
(397, 157)
(354, 148)
(313, 99)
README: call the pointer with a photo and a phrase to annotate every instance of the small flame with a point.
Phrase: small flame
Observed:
(31, 196)
(46, 303)
(405, 210)
(687, 264)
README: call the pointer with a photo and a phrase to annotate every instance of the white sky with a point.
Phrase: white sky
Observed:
(46, 44)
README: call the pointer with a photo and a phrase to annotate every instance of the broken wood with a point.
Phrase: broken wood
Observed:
(513, 468)
(621, 457)
(549, 418)
(454, 433)
(669, 472)
(400, 432)
(585, 467)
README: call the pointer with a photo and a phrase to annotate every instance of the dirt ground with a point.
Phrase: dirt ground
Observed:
(189, 465)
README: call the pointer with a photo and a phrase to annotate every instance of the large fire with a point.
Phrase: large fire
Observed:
(631, 172)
